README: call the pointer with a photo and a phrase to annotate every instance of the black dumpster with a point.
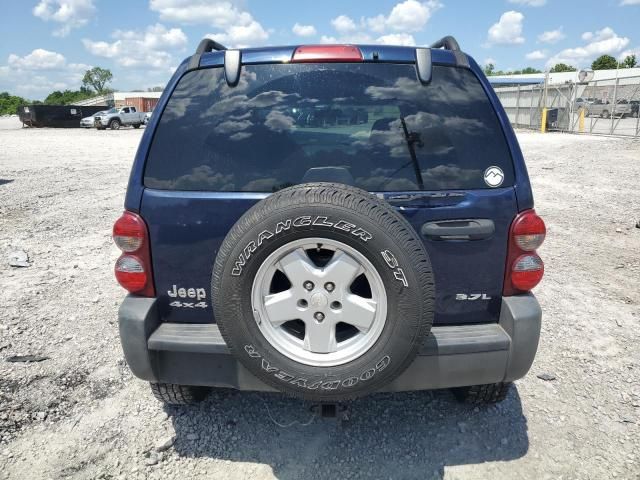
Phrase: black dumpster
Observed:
(56, 116)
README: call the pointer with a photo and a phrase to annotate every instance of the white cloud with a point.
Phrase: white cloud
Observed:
(132, 48)
(328, 39)
(221, 14)
(586, 36)
(631, 51)
(356, 37)
(304, 30)
(39, 73)
(508, 30)
(530, 3)
(70, 13)
(238, 26)
(536, 55)
(343, 24)
(377, 23)
(601, 42)
(397, 39)
(551, 36)
(241, 36)
(489, 60)
(364, 37)
(407, 16)
(38, 59)
(629, 2)
(411, 15)
(404, 17)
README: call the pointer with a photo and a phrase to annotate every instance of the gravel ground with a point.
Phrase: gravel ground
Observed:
(78, 413)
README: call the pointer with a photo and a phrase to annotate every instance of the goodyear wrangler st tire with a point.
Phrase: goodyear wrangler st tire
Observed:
(323, 291)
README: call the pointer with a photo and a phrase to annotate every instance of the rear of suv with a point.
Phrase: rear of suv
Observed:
(329, 221)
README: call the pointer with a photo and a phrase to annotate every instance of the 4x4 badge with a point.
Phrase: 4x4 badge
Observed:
(493, 176)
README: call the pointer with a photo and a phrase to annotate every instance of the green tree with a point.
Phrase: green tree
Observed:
(604, 62)
(562, 67)
(529, 70)
(68, 97)
(629, 62)
(9, 103)
(489, 68)
(97, 79)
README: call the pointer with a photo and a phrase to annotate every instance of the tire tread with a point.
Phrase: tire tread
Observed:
(483, 394)
(173, 394)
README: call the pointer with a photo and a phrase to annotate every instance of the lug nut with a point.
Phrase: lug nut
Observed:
(319, 316)
(308, 285)
(329, 286)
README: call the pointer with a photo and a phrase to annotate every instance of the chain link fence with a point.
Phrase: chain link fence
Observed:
(605, 106)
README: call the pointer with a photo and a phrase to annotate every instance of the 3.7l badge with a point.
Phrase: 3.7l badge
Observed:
(472, 296)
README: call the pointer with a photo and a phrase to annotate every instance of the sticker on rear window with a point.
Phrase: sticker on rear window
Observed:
(493, 176)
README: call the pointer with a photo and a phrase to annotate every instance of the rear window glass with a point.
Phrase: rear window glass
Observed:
(374, 126)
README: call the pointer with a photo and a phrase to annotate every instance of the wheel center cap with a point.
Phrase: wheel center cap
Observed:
(318, 300)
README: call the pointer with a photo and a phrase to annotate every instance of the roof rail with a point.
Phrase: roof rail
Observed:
(448, 43)
(205, 45)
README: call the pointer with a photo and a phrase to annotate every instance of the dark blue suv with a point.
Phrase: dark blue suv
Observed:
(329, 221)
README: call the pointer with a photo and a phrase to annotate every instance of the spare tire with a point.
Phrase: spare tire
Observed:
(323, 291)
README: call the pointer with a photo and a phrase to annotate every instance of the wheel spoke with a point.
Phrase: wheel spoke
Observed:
(321, 273)
(342, 269)
(358, 311)
(298, 267)
(320, 337)
(281, 307)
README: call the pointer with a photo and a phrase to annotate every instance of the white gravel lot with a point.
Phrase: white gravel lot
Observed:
(80, 414)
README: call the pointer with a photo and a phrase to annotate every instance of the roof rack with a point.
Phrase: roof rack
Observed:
(208, 45)
(205, 45)
(448, 43)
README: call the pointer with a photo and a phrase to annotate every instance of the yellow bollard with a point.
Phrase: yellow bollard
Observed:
(543, 123)
(581, 121)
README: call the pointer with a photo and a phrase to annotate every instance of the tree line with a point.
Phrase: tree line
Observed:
(94, 82)
(603, 62)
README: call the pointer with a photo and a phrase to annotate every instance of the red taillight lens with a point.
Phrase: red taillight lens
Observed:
(524, 268)
(133, 272)
(527, 272)
(528, 231)
(327, 53)
(129, 232)
(130, 273)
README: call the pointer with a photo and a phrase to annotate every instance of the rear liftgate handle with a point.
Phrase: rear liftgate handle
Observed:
(472, 229)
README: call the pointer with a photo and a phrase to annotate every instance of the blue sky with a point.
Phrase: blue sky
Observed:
(48, 44)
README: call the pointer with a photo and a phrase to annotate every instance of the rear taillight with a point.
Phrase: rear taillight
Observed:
(524, 268)
(327, 53)
(133, 268)
(528, 231)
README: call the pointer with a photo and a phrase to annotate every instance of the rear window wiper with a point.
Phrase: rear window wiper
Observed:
(413, 138)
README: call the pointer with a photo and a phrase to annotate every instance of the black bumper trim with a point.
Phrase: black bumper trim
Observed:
(452, 356)
(450, 340)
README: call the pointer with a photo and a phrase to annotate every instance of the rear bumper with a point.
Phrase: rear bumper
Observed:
(452, 356)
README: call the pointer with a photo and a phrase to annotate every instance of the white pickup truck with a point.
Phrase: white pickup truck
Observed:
(117, 117)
